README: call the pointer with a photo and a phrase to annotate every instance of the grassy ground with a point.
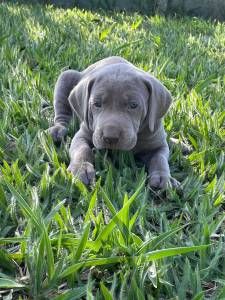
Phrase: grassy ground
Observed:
(59, 240)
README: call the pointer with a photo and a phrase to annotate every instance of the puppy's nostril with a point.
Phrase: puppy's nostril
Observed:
(110, 140)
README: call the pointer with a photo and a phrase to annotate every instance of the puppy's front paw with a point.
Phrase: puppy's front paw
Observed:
(84, 171)
(161, 180)
(57, 132)
(158, 180)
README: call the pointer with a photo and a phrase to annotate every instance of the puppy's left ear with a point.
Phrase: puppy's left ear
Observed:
(159, 100)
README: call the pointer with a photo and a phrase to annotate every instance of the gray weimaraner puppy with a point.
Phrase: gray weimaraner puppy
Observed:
(119, 107)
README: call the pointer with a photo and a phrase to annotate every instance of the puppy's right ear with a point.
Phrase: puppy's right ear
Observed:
(79, 99)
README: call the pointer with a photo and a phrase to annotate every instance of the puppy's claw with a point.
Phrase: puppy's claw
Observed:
(84, 171)
(57, 132)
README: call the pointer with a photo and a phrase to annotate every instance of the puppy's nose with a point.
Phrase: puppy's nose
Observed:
(110, 140)
(111, 135)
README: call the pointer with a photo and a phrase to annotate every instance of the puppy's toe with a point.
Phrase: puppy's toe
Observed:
(158, 181)
(163, 182)
(154, 181)
(84, 178)
(90, 174)
(57, 132)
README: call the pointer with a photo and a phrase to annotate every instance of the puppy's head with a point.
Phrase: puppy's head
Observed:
(116, 102)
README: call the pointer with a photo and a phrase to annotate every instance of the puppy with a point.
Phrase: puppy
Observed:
(119, 107)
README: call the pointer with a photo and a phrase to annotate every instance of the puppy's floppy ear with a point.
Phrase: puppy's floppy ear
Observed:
(79, 99)
(159, 100)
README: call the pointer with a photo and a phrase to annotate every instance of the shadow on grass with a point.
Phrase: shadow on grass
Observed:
(142, 7)
(195, 32)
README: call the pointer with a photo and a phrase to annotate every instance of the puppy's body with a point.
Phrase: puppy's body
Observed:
(119, 107)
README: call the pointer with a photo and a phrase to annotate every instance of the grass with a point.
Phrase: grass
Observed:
(120, 239)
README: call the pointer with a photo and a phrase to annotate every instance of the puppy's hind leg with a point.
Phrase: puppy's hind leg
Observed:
(63, 113)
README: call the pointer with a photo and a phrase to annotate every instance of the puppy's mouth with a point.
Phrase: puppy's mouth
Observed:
(126, 144)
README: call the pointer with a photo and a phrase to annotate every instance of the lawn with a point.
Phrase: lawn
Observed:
(119, 239)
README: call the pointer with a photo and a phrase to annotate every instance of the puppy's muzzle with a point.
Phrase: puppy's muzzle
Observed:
(119, 137)
(111, 135)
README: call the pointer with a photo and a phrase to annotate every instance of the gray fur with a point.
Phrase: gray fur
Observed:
(117, 86)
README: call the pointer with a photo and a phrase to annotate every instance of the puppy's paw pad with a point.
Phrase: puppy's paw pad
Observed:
(57, 132)
(84, 171)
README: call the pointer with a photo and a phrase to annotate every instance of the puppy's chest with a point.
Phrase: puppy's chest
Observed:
(147, 141)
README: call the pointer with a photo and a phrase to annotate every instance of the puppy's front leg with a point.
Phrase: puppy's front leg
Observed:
(81, 156)
(158, 167)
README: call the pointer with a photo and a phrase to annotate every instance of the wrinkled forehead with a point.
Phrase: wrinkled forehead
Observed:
(125, 85)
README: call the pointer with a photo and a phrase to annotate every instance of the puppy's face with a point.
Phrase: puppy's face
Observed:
(117, 107)
(115, 101)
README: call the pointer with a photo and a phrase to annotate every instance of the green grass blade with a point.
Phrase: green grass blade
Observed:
(92, 262)
(12, 240)
(157, 241)
(55, 209)
(10, 284)
(24, 205)
(158, 254)
(125, 215)
(198, 296)
(39, 226)
(49, 252)
(76, 293)
(133, 219)
(83, 242)
(108, 202)
(106, 293)
(109, 227)
(5, 261)
(39, 267)
(91, 206)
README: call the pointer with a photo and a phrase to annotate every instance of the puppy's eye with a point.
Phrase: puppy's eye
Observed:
(97, 104)
(133, 105)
